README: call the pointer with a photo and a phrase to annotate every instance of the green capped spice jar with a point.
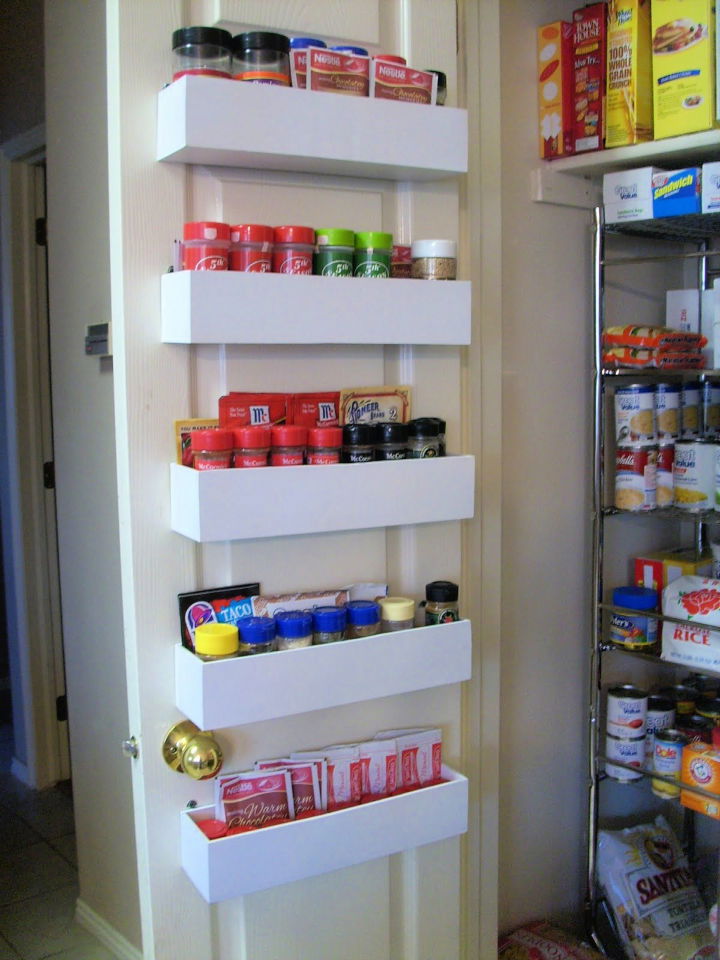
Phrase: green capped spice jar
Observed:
(373, 254)
(334, 253)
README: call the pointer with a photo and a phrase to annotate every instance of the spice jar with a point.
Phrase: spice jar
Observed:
(294, 248)
(211, 449)
(391, 440)
(423, 437)
(373, 253)
(324, 445)
(442, 427)
(261, 57)
(252, 446)
(401, 261)
(356, 51)
(288, 446)
(298, 59)
(363, 618)
(201, 50)
(391, 58)
(334, 253)
(216, 641)
(434, 259)
(206, 245)
(329, 624)
(257, 635)
(441, 95)
(396, 613)
(251, 247)
(294, 629)
(358, 442)
(441, 602)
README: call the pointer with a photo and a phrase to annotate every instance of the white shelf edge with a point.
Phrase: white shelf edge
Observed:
(234, 692)
(237, 504)
(245, 863)
(204, 307)
(215, 121)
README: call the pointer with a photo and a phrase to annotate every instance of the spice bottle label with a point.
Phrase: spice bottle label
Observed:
(318, 457)
(373, 268)
(441, 616)
(298, 264)
(337, 268)
(286, 459)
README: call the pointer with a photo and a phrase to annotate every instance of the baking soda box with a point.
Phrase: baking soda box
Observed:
(589, 56)
(628, 102)
(555, 103)
(701, 768)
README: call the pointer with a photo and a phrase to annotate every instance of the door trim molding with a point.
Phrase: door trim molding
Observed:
(116, 943)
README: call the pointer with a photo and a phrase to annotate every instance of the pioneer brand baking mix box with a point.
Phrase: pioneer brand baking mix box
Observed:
(683, 44)
(555, 101)
(628, 102)
(589, 56)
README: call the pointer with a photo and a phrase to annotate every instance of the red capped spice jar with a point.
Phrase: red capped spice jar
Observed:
(206, 245)
(252, 446)
(212, 449)
(294, 247)
(324, 444)
(251, 246)
(288, 446)
(391, 58)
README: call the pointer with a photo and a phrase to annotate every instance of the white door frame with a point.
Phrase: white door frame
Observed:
(27, 509)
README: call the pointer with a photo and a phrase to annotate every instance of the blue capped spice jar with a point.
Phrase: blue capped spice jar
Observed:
(294, 629)
(257, 635)
(363, 618)
(634, 632)
(329, 624)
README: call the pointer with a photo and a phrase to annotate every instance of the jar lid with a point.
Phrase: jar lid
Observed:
(251, 233)
(359, 433)
(434, 248)
(635, 598)
(206, 230)
(373, 240)
(325, 437)
(293, 623)
(260, 40)
(344, 48)
(329, 619)
(289, 435)
(708, 708)
(299, 43)
(213, 35)
(252, 438)
(294, 234)
(362, 612)
(335, 237)
(391, 432)
(213, 829)
(216, 639)
(442, 78)
(256, 629)
(424, 427)
(442, 425)
(441, 591)
(214, 438)
(397, 608)
(391, 58)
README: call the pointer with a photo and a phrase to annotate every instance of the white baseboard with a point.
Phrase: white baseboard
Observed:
(19, 769)
(106, 934)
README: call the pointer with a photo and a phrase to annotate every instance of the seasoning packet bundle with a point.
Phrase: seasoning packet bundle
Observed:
(419, 755)
(254, 799)
(375, 404)
(653, 338)
(183, 431)
(314, 409)
(653, 359)
(237, 409)
(304, 780)
(217, 605)
(268, 606)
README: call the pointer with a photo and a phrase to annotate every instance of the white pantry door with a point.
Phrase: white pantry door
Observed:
(404, 907)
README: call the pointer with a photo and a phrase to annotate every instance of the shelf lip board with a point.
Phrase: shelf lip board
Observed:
(227, 306)
(654, 775)
(235, 691)
(215, 121)
(667, 514)
(246, 504)
(245, 863)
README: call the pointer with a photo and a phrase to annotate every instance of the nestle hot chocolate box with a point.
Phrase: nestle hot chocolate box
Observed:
(589, 59)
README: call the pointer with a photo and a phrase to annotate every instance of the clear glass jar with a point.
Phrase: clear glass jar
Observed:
(288, 446)
(358, 442)
(294, 629)
(201, 50)
(252, 446)
(216, 641)
(423, 438)
(329, 624)
(441, 602)
(261, 57)
(324, 445)
(257, 635)
(391, 441)
(212, 449)
(434, 259)
(363, 618)
(396, 613)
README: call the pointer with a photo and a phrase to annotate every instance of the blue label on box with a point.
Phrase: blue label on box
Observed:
(676, 193)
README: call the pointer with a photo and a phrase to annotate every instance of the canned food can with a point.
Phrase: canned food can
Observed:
(626, 711)
(664, 476)
(690, 398)
(631, 752)
(711, 409)
(694, 474)
(660, 716)
(636, 477)
(696, 728)
(635, 413)
(667, 410)
(667, 760)
(709, 709)
(706, 685)
(682, 696)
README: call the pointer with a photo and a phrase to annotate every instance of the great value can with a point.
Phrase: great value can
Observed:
(664, 475)
(694, 474)
(631, 752)
(626, 711)
(667, 760)
(711, 409)
(667, 410)
(660, 716)
(636, 477)
(635, 413)
(690, 407)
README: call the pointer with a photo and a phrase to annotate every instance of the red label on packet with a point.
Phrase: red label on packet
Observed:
(314, 409)
(378, 761)
(254, 799)
(303, 779)
(344, 776)
(336, 72)
(419, 755)
(252, 409)
(390, 81)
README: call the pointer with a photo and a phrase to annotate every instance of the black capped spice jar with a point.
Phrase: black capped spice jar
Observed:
(391, 441)
(441, 602)
(424, 437)
(201, 50)
(358, 442)
(261, 57)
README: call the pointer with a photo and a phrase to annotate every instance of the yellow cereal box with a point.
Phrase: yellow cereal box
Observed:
(683, 44)
(628, 104)
(554, 73)
(701, 768)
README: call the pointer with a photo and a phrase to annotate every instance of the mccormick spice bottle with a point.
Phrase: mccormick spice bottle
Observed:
(423, 437)
(252, 446)
(288, 446)
(441, 604)
(391, 441)
(324, 445)
(211, 449)
(358, 442)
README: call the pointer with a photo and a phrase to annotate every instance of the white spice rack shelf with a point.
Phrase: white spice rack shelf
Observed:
(215, 121)
(237, 504)
(243, 690)
(242, 864)
(225, 306)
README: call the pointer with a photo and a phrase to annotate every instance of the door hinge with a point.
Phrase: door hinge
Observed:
(49, 475)
(61, 708)
(41, 231)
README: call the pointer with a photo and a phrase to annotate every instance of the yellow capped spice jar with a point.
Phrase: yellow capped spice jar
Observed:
(396, 613)
(216, 641)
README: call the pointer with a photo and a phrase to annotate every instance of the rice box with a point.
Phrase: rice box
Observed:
(683, 54)
(589, 55)
(628, 103)
(554, 73)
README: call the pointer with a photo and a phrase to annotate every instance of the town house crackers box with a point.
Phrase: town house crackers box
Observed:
(555, 78)
(683, 43)
(589, 56)
(628, 102)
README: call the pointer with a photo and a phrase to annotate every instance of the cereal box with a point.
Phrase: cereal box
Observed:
(555, 105)
(683, 44)
(657, 570)
(589, 55)
(628, 101)
(701, 768)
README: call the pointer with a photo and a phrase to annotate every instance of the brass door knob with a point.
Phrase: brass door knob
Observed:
(188, 749)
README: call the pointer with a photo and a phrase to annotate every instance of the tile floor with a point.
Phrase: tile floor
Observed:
(38, 872)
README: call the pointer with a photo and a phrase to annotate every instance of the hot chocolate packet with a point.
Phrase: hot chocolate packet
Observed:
(378, 764)
(304, 780)
(253, 798)
(419, 753)
(344, 775)
(315, 757)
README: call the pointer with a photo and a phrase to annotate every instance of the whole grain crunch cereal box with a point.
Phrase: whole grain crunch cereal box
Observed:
(629, 108)
(589, 55)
